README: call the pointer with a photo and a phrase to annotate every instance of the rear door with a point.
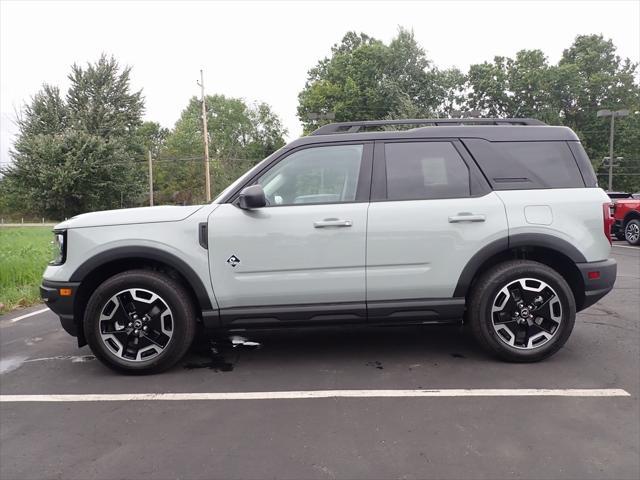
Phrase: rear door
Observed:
(431, 211)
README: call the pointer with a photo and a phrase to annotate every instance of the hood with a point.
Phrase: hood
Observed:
(128, 216)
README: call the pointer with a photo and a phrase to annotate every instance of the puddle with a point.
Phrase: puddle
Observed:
(219, 350)
(82, 358)
(11, 363)
(73, 358)
(375, 364)
(215, 364)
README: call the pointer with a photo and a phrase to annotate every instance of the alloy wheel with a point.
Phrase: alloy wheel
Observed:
(632, 232)
(526, 313)
(136, 324)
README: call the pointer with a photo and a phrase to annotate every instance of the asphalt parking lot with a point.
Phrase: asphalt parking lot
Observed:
(514, 435)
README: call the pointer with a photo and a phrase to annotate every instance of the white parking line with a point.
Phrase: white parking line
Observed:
(627, 246)
(27, 315)
(306, 394)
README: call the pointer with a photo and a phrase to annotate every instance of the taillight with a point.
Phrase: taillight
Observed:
(607, 220)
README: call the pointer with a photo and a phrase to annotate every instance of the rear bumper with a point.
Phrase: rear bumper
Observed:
(596, 288)
(61, 305)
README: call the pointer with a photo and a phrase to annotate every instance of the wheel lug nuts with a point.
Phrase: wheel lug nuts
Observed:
(145, 328)
(136, 331)
(130, 324)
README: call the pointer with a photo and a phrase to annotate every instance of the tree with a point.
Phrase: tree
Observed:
(364, 79)
(72, 155)
(588, 77)
(239, 135)
(593, 77)
(153, 137)
(520, 87)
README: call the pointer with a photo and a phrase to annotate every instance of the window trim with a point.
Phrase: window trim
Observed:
(478, 186)
(363, 188)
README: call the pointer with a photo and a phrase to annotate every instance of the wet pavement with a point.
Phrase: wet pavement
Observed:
(450, 437)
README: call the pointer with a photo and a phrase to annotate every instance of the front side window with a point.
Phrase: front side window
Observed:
(314, 175)
(425, 170)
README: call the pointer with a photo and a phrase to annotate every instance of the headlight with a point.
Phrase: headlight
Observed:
(59, 247)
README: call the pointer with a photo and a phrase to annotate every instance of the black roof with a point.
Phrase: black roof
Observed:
(491, 129)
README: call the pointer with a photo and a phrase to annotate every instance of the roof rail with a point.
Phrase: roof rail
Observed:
(354, 127)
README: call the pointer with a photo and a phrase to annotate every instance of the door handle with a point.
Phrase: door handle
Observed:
(332, 222)
(467, 217)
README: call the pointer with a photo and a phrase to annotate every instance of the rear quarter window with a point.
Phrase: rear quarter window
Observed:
(526, 165)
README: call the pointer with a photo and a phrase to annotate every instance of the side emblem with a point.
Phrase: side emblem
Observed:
(233, 260)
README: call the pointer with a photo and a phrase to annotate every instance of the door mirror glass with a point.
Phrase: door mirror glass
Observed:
(252, 197)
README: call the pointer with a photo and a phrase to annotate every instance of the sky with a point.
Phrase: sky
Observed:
(261, 51)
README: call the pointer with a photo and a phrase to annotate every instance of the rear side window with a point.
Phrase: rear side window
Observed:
(526, 165)
(425, 170)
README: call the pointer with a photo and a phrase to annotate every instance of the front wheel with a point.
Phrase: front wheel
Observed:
(632, 232)
(139, 322)
(521, 311)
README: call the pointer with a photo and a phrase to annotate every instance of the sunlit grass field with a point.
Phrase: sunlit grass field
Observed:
(24, 253)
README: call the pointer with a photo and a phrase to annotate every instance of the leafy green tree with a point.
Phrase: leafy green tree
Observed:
(588, 77)
(627, 145)
(78, 154)
(364, 79)
(239, 135)
(153, 137)
(520, 87)
(594, 78)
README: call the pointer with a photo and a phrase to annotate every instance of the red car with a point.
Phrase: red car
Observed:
(626, 215)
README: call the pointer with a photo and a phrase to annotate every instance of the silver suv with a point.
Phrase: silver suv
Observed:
(497, 223)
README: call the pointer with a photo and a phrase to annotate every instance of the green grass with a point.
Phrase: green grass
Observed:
(24, 253)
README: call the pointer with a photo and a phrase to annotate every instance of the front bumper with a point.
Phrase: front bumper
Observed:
(617, 227)
(597, 285)
(61, 305)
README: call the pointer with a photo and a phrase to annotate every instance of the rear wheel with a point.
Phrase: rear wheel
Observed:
(632, 232)
(522, 311)
(139, 322)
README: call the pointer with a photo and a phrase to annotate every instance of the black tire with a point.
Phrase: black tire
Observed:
(619, 234)
(171, 293)
(632, 232)
(485, 293)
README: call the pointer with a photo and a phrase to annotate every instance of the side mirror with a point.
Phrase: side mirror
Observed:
(252, 197)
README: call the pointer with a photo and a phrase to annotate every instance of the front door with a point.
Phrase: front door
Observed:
(302, 257)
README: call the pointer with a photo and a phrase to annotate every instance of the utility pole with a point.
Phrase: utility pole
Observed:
(205, 134)
(150, 180)
(613, 114)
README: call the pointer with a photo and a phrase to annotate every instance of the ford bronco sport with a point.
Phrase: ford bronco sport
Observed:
(497, 223)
